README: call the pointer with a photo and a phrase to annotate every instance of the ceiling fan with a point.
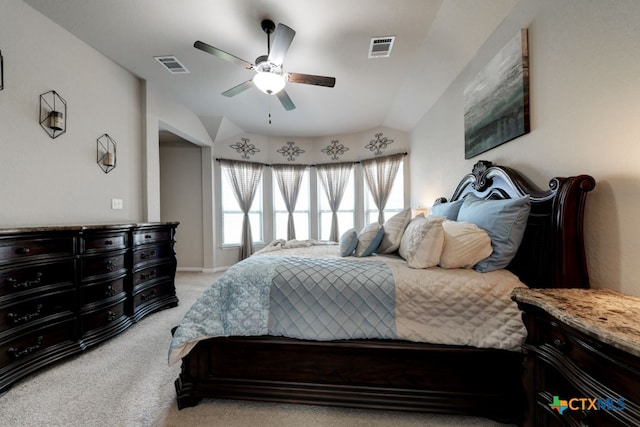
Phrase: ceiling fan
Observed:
(270, 78)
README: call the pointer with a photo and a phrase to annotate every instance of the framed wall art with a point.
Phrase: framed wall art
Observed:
(496, 100)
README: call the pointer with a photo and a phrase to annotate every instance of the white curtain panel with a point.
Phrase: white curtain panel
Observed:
(380, 174)
(289, 178)
(334, 178)
(244, 178)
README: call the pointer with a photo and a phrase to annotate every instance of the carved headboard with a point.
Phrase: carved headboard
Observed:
(551, 254)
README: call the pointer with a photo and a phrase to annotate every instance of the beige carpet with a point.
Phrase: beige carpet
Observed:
(126, 382)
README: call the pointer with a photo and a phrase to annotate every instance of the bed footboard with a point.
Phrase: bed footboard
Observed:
(391, 375)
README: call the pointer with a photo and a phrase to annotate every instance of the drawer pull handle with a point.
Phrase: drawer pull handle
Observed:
(148, 236)
(110, 291)
(108, 242)
(145, 255)
(149, 275)
(17, 319)
(147, 297)
(16, 353)
(110, 266)
(26, 284)
(559, 344)
(111, 316)
(22, 251)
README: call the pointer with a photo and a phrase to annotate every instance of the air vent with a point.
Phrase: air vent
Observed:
(380, 47)
(172, 64)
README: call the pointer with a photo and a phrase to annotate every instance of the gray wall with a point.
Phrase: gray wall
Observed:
(57, 181)
(181, 197)
(585, 92)
(46, 181)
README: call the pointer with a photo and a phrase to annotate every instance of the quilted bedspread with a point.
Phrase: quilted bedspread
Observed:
(306, 290)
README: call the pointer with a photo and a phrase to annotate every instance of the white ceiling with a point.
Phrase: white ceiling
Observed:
(435, 39)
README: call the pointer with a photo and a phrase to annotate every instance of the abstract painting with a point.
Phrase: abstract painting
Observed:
(496, 101)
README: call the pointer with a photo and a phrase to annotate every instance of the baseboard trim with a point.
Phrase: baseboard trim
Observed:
(201, 269)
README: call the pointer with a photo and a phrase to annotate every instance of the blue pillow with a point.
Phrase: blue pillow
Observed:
(448, 210)
(504, 221)
(369, 239)
(348, 242)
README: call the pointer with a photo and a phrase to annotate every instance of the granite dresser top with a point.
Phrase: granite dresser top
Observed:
(81, 227)
(609, 316)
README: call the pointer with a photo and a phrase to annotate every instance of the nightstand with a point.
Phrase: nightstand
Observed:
(583, 357)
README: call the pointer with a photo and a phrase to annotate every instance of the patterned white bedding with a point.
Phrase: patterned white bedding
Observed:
(277, 297)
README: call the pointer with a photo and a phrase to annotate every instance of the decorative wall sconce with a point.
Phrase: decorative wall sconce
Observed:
(106, 152)
(1, 72)
(53, 114)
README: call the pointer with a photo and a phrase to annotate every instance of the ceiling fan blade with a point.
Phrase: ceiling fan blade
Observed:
(222, 54)
(239, 88)
(310, 79)
(286, 102)
(281, 42)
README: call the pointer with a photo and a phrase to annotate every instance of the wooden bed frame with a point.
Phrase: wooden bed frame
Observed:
(401, 375)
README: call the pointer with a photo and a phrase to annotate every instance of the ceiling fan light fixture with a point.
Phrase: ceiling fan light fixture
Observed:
(268, 82)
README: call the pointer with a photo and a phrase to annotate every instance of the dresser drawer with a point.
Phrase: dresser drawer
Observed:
(32, 344)
(156, 272)
(30, 311)
(142, 237)
(151, 253)
(151, 299)
(90, 320)
(99, 291)
(148, 295)
(30, 249)
(20, 282)
(103, 242)
(102, 266)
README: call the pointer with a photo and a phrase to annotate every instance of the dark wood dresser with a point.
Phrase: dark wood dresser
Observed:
(65, 288)
(583, 357)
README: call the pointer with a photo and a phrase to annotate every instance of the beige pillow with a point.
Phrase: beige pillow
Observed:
(465, 245)
(393, 229)
(422, 242)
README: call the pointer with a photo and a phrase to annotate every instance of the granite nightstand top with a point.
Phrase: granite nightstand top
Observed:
(609, 316)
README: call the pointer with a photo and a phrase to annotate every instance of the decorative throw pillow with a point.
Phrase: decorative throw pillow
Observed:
(504, 220)
(393, 229)
(422, 242)
(465, 245)
(368, 239)
(348, 242)
(449, 210)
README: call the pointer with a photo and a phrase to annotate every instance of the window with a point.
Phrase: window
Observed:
(345, 212)
(395, 202)
(301, 215)
(312, 215)
(232, 215)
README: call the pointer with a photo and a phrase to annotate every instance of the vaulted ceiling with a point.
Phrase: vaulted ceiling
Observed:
(434, 40)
